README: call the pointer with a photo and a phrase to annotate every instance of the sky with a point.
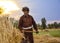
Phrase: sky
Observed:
(50, 9)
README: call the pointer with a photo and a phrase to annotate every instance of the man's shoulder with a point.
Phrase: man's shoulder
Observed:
(21, 17)
(24, 16)
(31, 16)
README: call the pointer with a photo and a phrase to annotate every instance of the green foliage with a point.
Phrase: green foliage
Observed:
(15, 24)
(59, 25)
(43, 21)
(55, 25)
(55, 33)
(38, 25)
(50, 26)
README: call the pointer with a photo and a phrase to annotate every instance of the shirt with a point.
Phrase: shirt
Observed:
(26, 21)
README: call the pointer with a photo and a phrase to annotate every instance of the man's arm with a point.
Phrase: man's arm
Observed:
(34, 24)
(20, 24)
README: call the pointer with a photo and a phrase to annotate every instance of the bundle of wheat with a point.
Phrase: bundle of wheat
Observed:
(8, 34)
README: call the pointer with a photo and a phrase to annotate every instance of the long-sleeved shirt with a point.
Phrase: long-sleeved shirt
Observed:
(26, 21)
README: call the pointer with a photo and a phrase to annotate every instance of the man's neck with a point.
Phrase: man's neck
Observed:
(26, 14)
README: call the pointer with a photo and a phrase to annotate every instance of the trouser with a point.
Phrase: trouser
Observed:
(29, 37)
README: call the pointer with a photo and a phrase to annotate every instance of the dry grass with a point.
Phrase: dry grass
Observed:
(8, 34)
(46, 39)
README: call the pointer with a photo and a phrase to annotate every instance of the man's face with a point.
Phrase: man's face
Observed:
(26, 12)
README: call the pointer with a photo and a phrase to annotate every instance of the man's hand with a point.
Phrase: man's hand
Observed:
(22, 31)
(37, 32)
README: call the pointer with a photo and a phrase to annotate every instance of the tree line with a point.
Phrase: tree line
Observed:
(49, 26)
(40, 26)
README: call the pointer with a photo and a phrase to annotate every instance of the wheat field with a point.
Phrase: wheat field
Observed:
(8, 34)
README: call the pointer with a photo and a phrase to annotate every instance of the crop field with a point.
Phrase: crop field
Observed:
(9, 34)
(47, 36)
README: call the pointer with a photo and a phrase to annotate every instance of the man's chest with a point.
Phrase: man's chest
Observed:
(27, 19)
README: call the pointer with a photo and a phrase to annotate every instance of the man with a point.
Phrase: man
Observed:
(26, 24)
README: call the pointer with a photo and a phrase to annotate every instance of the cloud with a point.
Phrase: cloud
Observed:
(49, 22)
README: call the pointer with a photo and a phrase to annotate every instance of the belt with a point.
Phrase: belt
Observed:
(28, 27)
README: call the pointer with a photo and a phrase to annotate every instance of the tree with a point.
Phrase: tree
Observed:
(15, 24)
(59, 25)
(38, 25)
(55, 25)
(43, 20)
(49, 26)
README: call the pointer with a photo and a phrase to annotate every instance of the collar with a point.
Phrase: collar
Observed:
(26, 15)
